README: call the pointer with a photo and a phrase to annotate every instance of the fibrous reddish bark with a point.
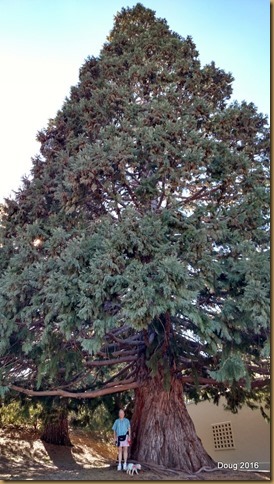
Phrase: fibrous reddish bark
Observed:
(162, 430)
(56, 431)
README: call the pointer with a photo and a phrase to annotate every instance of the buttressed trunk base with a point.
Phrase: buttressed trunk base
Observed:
(162, 430)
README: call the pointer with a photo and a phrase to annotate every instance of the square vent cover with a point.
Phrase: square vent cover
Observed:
(222, 436)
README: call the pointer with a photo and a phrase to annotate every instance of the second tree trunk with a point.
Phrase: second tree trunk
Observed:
(55, 429)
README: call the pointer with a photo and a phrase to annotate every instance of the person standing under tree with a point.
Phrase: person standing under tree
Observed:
(122, 437)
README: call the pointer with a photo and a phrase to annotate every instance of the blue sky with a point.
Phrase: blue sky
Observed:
(43, 43)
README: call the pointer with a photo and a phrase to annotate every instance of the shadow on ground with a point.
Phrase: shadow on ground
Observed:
(23, 456)
(62, 457)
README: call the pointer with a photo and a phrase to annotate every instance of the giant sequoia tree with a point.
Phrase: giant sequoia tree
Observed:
(136, 254)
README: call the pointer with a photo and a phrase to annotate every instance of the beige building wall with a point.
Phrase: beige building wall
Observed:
(250, 435)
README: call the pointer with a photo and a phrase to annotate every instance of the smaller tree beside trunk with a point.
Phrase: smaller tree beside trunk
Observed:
(55, 429)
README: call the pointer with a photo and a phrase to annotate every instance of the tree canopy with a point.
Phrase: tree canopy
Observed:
(141, 237)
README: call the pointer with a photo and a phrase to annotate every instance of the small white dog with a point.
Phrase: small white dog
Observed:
(131, 468)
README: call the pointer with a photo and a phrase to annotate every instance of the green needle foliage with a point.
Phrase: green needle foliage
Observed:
(148, 202)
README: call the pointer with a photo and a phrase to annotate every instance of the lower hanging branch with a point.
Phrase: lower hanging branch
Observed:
(124, 385)
(260, 383)
(62, 393)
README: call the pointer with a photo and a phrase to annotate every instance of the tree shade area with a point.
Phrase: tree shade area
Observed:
(136, 255)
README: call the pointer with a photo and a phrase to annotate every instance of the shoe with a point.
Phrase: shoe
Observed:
(119, 467)
(124, 467)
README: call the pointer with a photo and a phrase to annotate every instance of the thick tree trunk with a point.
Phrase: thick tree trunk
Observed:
(162, 430)
(56, 431)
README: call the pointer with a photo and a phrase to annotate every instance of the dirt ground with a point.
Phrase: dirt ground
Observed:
(23, 456)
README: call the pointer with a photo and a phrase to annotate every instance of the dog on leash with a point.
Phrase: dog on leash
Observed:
(133, 468)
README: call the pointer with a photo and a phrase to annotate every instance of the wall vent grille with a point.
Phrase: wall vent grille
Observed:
(223, 436)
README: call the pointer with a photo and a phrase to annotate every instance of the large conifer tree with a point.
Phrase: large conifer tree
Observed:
(136, 255)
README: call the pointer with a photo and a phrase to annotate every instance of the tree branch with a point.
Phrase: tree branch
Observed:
(110, 362)
(211, 381)
(132, 341)
(62, 393)
(122, 372)
(121, 382)
(117, 353)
